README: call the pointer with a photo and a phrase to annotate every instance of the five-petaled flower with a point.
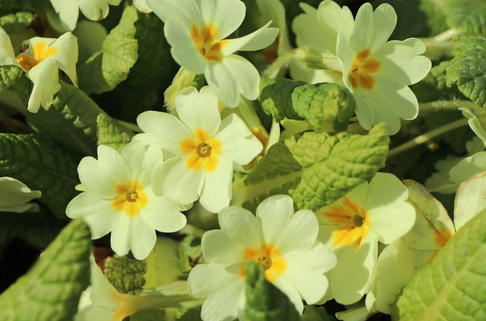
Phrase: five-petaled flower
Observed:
(352, 226)
(196, 30)
(204, 149)
(41, 61)
(284, 243)
(118, 198)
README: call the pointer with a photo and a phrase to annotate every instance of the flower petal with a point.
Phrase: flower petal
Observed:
(238, 143)
(179, 183)
(216, 193)
(67, 54)
(94, 10)
(240, 230)
(350, 279)
(216, 12)
(403, 61)
(248, 79)
(199, 110)
(143, 238)
(306, 271)
(224, 291)
(363, 31)
(45, 77)
(291, 292)
(101, 176)
(384, 22)
(68, 12)
(142, 160)
(185, 10)
(299, 234)
(121, 235)
(97, 213)
(392, 221)
(7, 54)
(183, 51)
(258, 39)
(163, 214)
(223, 82)
(166, 129)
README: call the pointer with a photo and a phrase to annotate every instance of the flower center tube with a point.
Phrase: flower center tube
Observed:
(202, 151)
(352, 223)
(206, 41)
(362, 69)
(40, 53)
(268, 257)
(130, 199)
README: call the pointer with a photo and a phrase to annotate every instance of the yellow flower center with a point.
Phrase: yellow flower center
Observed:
(202, 151)
(441, 237)
(353, 223)
(206, 41)
(362, 69)
(40, 51)
(268, 256)
(131, 198)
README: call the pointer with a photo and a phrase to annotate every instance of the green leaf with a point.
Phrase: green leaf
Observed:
(107, 68)
(50, 291)
(468, 68)
(71, 120)
(468, 16)
(149, 315)
(35, 229)
(453, 286)
(316, 168)
(163, 264)
(149, 77)
(312, 313)
(42, 165)
(9, 76)
(16, 22)
(264, 302)
(125, 274)
(327, 107)
(10, 6)
(434, 86)
(110, 132)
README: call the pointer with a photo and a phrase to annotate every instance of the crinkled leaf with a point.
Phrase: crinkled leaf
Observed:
(316, 168)
(453, 286)
(71, 120)
(42, 165)
(468, 16)
(151, 74)
(125, 274)
(264, 302)
(16, 22)
(433, 87)
(111, 132)
(50, 291)
(35, 229)
(326, 107)
(468, 68)
(107, 68)
(9, 76)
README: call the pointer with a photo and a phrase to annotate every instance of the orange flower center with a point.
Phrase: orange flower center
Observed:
(202, 151)
(353, 223)
(268, 257)
(362, 69)
(205, 41)
(40, 53)
(131, 198)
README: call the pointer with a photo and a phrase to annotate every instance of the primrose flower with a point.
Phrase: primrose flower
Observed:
(41, 61)
(118, 198)
(16, 195)
(196, 30)
(352, 226)
(95, 10)
(284, 243)
(377, 72)
(204, 149)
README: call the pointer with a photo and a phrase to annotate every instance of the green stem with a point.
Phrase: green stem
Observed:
(282, 62)
(428, 136)
(444, 105)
